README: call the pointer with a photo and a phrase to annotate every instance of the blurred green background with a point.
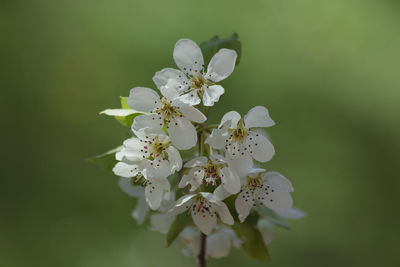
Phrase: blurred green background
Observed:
(328, 71)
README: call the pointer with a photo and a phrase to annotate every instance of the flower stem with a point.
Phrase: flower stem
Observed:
(202, 255)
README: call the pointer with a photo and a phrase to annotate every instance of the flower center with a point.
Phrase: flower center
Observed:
(158, 149)
(168, 110)
(202, 206)
(239, 134)
(212, 174)
(198, 82)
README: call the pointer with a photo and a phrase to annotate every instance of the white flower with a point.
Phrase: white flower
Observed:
(151, 151)
(214, 171)
(270, 189)
(239, 139)
(164, 109)
(218, 244)
(267, 227)
(192, 83)
(203, 207)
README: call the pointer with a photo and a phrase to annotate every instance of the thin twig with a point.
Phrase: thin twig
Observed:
(202, 255)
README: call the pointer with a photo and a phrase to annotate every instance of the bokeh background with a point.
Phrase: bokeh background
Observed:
(327, 70)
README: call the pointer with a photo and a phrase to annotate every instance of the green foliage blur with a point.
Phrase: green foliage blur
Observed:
(328, 71)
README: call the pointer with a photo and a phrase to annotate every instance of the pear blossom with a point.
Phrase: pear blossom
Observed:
(203, 208)
(218, 244)
(191, 81)
(214, 171)
(162, 220)
(160, 110)
(270, 189)
(242, 143)
(150, 151)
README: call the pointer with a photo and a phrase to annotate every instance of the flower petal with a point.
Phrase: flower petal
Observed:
(233, 117)
(267, 230)
(141, 211)
(218, 245)
(261, 148)
(243, 204)
(126, 170)
(188, 56)
(205, 221)
(242, 164)
(276, 200)
(162, 77)
(182, 204)
(212, 94)
(258, 117)
(223, 212)
(217, 138)
(220, 193)
(230, 180)
(182, 133)
(189, 112)
(169, 91)
(154, 121)
(118, 112)
(293, 214)
(129, 189)
(143, 99)
(221, 65)
(196, 162)
(191, 98)
(155, 190)
(278, 182)
(174, 159)
(161, 222)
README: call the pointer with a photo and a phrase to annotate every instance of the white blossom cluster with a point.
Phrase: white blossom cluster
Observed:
(223, 167)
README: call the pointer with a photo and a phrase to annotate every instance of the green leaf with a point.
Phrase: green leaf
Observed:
(106, 160)
(127, 120)
(253, 242)
(210, 47)
(272, 216)
(177, 227)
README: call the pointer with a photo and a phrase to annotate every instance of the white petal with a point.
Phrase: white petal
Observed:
(233, 117)
(182, 204)
(188, 56)
(129, 189)
(182, 133)
(221, 65)
(130, 151)
(278, 182)
(217, 138)
(174, 159)
(161, 222)
(243, 204)
(191, 98)
(223, 212)
(148, 120)
(220, 193)
(143, 99)
(258, 117)
(141, 211)
(191, 113)
(212, 94)
(267, 230)
(126, 170)
(170, 90)
(196, 162)
(230, 180)
(157, 168)
(190, 237)
(242, 164)
(261, 148)
(205, 221)
(276, 200)
(293, 214)
(119, 112)
(161, 78)
(155, 190)
(218, 245)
